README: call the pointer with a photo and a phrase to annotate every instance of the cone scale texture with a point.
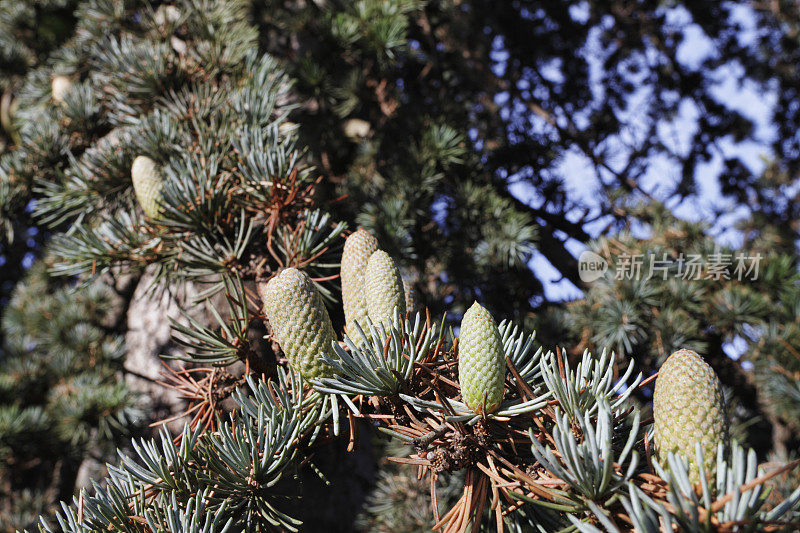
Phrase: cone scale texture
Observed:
(688, 407)
(358, 248)
(383, 288)
(299, 321)
(481, 362)
(147, 183)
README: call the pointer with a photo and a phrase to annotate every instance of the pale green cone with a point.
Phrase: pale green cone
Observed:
(383, 288)
(688, 407)
(358, 247)
(147, 183)
(299, 321)
(481, 363)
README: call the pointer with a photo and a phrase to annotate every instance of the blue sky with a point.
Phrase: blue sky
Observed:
(662, 174)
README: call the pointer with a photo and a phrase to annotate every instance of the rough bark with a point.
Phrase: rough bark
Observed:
(148, 336)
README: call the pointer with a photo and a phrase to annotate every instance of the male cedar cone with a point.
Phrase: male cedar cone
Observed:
(358, 247)
(383, 288)
(481, 363)
(147, 184)
(299, 321)
(688, 407)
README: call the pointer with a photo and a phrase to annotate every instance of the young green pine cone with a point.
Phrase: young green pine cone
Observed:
(147, 183)
(357, 249)
(688, 407)
(481, 362)
(299, 321)
(383, 288)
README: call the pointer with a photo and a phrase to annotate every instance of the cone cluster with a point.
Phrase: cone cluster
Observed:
(371, 284)
(688, 407)
(371, 288)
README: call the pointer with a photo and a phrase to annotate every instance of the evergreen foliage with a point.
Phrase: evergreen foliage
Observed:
(583, 433)
(192, 94)
(679, 302)
(61, 397)
(471, 109)
(271, 128)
